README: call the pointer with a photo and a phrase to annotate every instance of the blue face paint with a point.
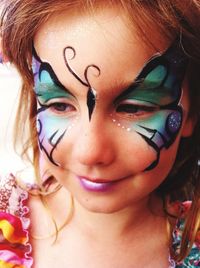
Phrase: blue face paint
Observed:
(156, 94)
(54, 117)
(156, 91)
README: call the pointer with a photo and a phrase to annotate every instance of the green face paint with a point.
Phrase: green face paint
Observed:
(47, 90)
(51, 96)
(152, 90)
(157, 89)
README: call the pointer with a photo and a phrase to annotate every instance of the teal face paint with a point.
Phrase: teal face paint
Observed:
(156, 91)
(47, 90)
(53, 119)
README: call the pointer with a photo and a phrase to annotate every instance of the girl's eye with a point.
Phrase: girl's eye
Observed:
(134, 109)
(61, 107)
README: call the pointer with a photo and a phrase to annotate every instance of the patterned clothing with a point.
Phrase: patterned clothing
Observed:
(14, 240)
(15, 249)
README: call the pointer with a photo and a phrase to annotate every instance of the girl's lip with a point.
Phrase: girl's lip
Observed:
(95, 185)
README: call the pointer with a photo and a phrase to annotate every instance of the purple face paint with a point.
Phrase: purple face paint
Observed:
(91, 95)
(153, 101)
(54, 117)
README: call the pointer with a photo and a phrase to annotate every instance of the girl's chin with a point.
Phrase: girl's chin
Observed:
(103, 205)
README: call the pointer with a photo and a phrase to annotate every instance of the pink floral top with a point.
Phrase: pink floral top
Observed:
(14, 239)
(15, 249)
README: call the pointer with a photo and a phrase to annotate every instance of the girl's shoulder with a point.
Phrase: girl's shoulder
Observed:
(14, 223)
(193, 258)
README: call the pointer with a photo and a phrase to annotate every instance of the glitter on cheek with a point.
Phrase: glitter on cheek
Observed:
(174, 122)
(158, 130)
(165, 122)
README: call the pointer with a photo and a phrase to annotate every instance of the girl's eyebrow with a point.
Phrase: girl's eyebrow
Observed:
(140, 78)
(45, 66)
(127, 86)
(173, 56)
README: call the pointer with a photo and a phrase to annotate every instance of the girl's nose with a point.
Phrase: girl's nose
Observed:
(94, 145)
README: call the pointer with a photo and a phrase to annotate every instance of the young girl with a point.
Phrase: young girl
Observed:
(111, 95)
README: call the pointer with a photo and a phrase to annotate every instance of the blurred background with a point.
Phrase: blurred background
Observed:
(9, 92)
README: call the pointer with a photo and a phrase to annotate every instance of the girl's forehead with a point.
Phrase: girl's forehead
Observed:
(104, 39)
(106, 25)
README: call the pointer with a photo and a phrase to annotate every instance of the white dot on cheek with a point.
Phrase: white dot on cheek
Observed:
(116, 122)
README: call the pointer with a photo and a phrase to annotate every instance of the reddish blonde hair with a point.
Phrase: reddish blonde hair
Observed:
(20, 22)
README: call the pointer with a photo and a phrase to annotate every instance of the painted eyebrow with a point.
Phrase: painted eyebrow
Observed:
(149, 66)
(164, 59)
(45, 66)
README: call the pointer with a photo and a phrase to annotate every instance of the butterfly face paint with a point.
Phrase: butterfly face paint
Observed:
(156, 92)
(52, 98)
(91, 95)
(51, 127)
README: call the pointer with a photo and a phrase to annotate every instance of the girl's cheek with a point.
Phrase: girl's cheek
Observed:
(158, 130)
(52, 130)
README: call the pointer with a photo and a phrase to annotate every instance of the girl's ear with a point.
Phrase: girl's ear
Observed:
(188, 126)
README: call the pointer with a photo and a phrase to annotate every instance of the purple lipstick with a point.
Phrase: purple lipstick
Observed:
(96, 186)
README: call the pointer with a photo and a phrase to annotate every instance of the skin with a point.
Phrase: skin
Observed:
(156, 90)
(100, 148)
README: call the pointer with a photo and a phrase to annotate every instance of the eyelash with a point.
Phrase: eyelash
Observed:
(135, 110)
(60, 107)
(128, 109)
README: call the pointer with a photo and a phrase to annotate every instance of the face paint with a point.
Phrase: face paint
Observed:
(153, 101)
(91, 95)
(53, 120)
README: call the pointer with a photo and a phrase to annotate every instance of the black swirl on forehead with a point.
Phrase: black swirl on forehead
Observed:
(91, 95)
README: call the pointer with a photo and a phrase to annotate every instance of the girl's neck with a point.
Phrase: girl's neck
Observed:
(105, 240)
(134, 219)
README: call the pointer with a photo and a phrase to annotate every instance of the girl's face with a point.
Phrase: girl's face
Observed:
(111, 109)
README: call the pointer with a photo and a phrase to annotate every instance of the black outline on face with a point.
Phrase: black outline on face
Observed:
(173, 57)
(41, 141)
(91, 95)
(176, 61)
(44, 66)
(156, 134)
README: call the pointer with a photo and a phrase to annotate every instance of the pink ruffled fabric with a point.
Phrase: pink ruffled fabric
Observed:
(15, 248)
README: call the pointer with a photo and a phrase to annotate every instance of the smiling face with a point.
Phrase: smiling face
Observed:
(111, 109)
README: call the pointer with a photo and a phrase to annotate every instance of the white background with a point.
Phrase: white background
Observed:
(9, 91)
